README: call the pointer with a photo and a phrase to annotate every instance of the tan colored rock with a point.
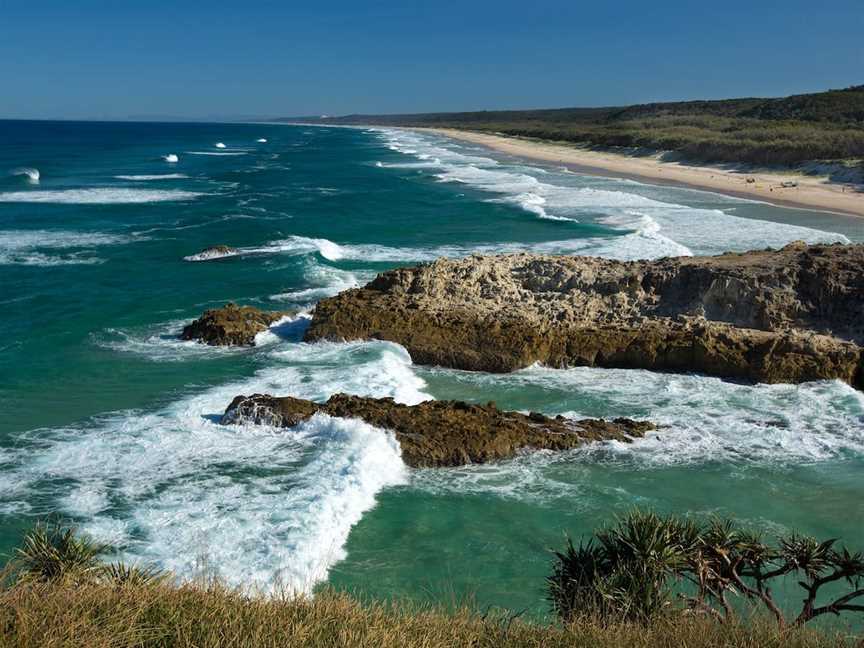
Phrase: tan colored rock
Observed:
(230, 325)
(789, 315)
(441, 433)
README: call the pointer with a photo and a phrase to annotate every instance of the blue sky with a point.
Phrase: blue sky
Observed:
(89, 59)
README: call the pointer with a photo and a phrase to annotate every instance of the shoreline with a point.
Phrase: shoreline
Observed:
(811, 193)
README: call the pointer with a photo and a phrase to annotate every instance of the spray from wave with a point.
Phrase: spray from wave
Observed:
(322, 281)
(30, 173)
(259, 507)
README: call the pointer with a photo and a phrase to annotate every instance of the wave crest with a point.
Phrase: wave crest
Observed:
(30, 173)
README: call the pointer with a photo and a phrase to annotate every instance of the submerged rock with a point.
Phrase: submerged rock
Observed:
(213, 252)
(788, 315)
(441, 433)
(230, 325)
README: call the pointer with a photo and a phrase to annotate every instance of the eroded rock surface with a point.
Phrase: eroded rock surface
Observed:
(230, 325)
(440, 433)
(788, 315)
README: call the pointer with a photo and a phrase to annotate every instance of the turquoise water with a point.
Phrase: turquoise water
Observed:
(109, 420)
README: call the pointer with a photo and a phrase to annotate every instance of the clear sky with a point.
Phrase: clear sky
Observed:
(211, 59)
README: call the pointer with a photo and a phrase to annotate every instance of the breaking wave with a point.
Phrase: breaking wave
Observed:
(30, 173)
(217, 153)
(256, 506)
(323, 281)
(98, 196)
(654, 228)
(39, 247)
(705, 421)
(163, 176)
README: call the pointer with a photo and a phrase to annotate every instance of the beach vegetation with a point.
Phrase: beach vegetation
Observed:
(645, 565)
(81, 604)
(784, 132)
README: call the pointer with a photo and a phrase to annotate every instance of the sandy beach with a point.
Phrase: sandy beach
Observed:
(810, 192)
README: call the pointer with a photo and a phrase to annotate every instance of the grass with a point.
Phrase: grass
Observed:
(65, 613)
(57, 593)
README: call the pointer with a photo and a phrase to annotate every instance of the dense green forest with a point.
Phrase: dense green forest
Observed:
(785, 131)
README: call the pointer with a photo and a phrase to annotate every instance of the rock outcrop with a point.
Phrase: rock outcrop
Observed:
(441, 433)
(212, 253)
(230, 325)
(788, 315)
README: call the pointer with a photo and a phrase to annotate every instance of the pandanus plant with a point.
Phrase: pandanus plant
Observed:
(644, 563)
(53, 550)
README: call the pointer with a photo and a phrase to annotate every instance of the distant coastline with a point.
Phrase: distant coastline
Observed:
(803, 151)
(811, 191)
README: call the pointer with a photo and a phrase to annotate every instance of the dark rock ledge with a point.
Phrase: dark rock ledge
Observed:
(441, 433)
(230, 325)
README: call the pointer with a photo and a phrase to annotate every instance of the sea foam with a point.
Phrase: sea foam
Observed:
(98, 196)
(704, 421)
(322, 281)
(654, 228)
(30, 173)
(217, 153)
(163, 176)
(255, 506)
(39, 247)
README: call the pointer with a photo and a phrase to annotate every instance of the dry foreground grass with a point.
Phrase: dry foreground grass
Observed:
(161, 614)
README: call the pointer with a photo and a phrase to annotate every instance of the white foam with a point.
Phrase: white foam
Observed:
(654, 228)
(301, 245)
(295, 245)
(30, 173)
(163, 176)
(705, 421)
(98, 196)
(217, 153)
(26, 247)
(161, 342)
(261, 140)
(256, 506)
(323, 281)
(171, 158)
(211, 255)
(220, 145)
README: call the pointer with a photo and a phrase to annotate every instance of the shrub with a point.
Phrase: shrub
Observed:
(53, 550)
(644, 563)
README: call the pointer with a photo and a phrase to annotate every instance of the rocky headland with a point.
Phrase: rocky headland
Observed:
(230, 325)
(788, 315)
(440, 433)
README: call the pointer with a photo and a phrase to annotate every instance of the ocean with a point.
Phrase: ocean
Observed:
(110, 421)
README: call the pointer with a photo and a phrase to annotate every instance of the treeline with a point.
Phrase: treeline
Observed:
(773, 132)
